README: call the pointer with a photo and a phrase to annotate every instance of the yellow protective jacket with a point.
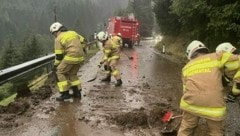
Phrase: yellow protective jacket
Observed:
(68, 44)
(117, 40)
(202, 84)
(110, 50)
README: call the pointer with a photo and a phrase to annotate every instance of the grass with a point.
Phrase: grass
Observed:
(8, 100)
(175, 46)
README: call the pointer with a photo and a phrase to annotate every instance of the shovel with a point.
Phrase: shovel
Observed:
(95, 77)
(168, 116)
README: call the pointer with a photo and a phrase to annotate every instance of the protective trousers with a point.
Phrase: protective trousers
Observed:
(115, 72)
(67, 76)
(190, 122)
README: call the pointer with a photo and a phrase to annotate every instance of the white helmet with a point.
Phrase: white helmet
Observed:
(55, 27)
(119, 34)
(227, 47)
(101, 36)
(193, 47)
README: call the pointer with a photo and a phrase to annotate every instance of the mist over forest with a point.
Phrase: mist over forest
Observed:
(20, 18)
(24, 24)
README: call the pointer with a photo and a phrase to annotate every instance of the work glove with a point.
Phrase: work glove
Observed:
(230, 98)
(225, 81)
(101, 62)
(99, 65)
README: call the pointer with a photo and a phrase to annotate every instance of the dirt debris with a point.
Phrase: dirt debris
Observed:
(23, 107)
(143, 118)
(132, 119)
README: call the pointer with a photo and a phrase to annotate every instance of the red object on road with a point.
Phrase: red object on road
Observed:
(128, 27)
(167, 116)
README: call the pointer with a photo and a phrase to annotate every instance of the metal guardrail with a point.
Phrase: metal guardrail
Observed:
(17, 71)
(14, 72)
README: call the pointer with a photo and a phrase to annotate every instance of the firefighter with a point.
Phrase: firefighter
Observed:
(68, 58)
(110, 58)
(228, 47)
(203, 95)
(117, 39)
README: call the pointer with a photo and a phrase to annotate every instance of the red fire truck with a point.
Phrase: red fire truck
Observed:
(128, 27)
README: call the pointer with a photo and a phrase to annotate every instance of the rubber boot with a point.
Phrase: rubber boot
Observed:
(64, 96)
(119, 82)
(107, 79)
(76, 92)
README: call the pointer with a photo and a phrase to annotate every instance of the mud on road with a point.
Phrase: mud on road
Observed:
(151, 87)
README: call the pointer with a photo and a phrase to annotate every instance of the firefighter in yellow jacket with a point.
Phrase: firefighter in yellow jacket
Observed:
(110, 58)
(68, 58)
(228, 47)
(203, 95)
(117, 39)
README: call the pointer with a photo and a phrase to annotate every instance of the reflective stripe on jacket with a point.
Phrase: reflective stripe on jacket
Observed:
(111, 50)
(202, 84)
(68, 44)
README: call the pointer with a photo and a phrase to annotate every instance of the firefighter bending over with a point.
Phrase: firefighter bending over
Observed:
(228, 47)
(203, 93)
(68, 58)
(110, 58)
(117, 39)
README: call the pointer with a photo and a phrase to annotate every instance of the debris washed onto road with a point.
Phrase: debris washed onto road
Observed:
(151, 87)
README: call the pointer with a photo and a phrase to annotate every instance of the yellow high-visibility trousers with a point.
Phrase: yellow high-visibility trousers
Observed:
(67, 76)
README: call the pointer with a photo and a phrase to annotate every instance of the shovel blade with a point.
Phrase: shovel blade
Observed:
(167, 116)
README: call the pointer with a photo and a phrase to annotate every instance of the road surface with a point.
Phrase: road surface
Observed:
(151, 86)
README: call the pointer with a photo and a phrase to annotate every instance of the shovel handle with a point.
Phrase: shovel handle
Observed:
(178, 116)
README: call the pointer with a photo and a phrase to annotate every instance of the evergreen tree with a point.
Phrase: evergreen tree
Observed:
(30, 49)
(212, 22)
(142, 9)
(10, 56)
(167, 21)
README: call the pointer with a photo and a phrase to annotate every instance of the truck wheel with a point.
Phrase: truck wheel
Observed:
(130, 44)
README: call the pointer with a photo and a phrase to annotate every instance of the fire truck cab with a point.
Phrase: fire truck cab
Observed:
(128, 27)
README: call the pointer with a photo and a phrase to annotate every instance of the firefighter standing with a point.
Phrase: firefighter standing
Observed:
(110, 58)
(68, 58)
(203, 95)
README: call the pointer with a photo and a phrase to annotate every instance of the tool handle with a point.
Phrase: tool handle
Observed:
(178, 116)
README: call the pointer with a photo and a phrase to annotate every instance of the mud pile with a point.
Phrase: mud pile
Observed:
(142, 118)
(22, 107)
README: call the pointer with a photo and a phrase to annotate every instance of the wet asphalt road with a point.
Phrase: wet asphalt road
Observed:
(148, 79)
